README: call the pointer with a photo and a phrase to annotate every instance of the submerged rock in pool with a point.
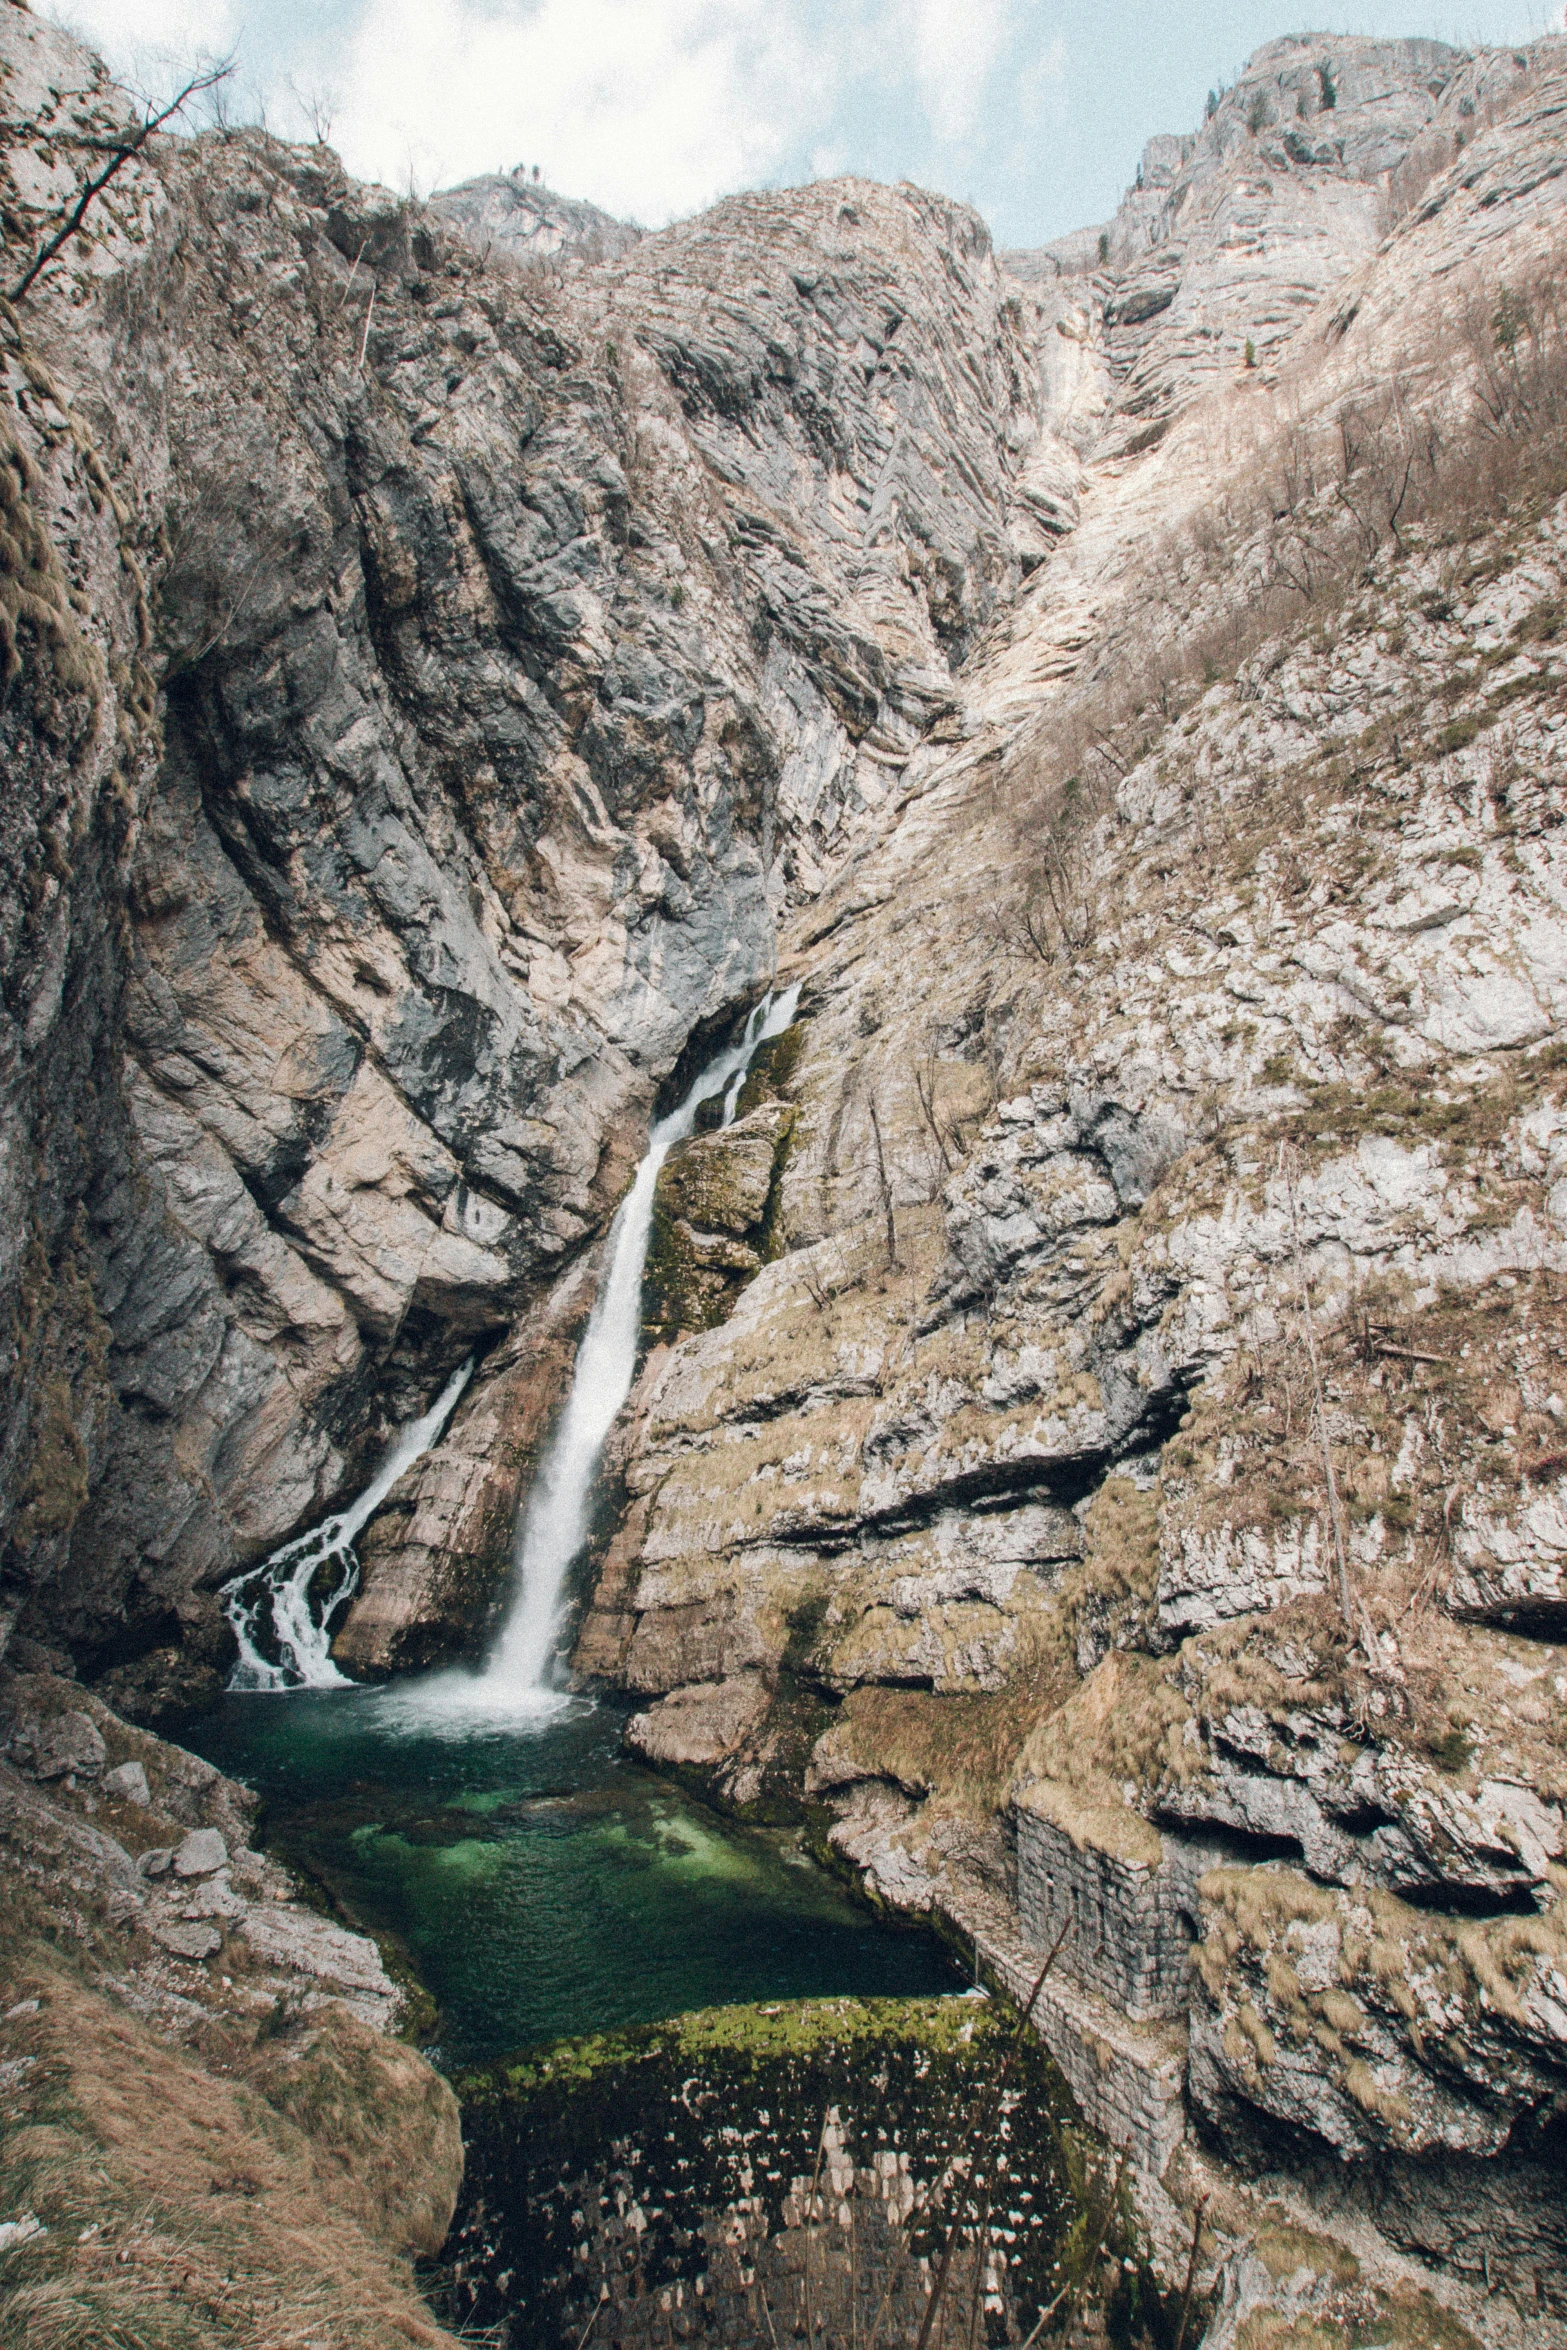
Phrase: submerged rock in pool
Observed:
(732, 2175)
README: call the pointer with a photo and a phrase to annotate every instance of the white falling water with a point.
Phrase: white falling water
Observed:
(285, 1588)
(554, 1525)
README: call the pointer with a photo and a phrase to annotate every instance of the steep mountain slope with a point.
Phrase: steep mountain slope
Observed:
(1100, 1448)
(513, 671)
(1218, 1139)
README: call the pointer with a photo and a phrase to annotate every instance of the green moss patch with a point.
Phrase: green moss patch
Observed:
(715, 1220)
(670, 2168)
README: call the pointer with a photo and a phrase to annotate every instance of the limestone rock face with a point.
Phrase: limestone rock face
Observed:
(436, 1562)
(1512, 1551)
(517, 215)
(1211, 1149)
(510, 648)
(701, 1725)
(1234, 232)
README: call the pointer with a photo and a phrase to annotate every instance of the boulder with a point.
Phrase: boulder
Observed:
(59, 1746)
(181, 1940)
(283, 1936)
(202, 1851)
(700, 1725)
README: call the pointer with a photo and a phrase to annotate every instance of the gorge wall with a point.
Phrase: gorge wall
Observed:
(518, 653)
(1101, 1437)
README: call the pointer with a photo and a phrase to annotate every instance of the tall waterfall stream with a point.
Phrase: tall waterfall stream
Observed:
(554, 1524)
(289, 1604)
(487, 1818)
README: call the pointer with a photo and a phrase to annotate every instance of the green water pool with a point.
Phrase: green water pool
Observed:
(539, 1882)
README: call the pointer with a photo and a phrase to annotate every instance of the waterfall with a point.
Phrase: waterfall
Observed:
(554, 1526)
(282, 1611)
(286, 1591)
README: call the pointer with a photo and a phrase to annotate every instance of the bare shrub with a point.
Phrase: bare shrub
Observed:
(1469, 428)
(118, 150)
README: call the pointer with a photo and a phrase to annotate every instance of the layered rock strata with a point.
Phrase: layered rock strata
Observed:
(462, 668)
(1135, 1496)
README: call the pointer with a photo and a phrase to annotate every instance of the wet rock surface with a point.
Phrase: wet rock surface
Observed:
(746, 2172)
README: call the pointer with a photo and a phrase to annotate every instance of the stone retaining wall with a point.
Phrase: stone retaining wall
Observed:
(1125, 1895)
(1128, 2077)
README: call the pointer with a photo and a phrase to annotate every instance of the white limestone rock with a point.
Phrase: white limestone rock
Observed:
(200, 1854)
(128, 1780)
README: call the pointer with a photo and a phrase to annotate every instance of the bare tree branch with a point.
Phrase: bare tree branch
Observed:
(121, 155)
(886, 1189)
(1335, 1518)
(925, 1087)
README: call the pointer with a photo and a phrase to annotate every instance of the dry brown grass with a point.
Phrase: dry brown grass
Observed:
(183, 2208)
(961, 1748)
(1467, 436)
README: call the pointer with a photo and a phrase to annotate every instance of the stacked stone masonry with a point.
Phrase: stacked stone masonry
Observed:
(1129, 1916)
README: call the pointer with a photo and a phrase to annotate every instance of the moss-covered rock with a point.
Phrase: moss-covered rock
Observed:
(721, 1182)
(713, 1219)
(756, 2167)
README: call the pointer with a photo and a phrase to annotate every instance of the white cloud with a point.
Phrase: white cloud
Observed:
(958, 45)
(651, 107)
(143, 39)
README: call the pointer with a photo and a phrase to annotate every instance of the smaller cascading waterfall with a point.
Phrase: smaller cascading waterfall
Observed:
(288, 1593)
(554, 1525)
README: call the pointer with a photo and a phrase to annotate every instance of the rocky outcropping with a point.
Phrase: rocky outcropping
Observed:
(1135, 1487)
(444, 794)
(163, 1841)
(193, 2056)
(515, 214)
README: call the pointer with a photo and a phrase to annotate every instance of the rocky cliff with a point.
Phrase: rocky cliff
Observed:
(462, 672)
(212, 2135)
(1101, 1437)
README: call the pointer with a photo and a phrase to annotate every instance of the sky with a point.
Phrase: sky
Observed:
(1035, 111)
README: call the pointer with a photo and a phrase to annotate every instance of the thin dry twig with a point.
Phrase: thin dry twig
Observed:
(593, 2320)
(925, 1089)
(886, 1190)
(1191, 2273)
(1045, 2315)
(1092, 2262)
(810, 2227)
(364, 340)
(122, 155)
(1335, 1518)
(352, 274)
